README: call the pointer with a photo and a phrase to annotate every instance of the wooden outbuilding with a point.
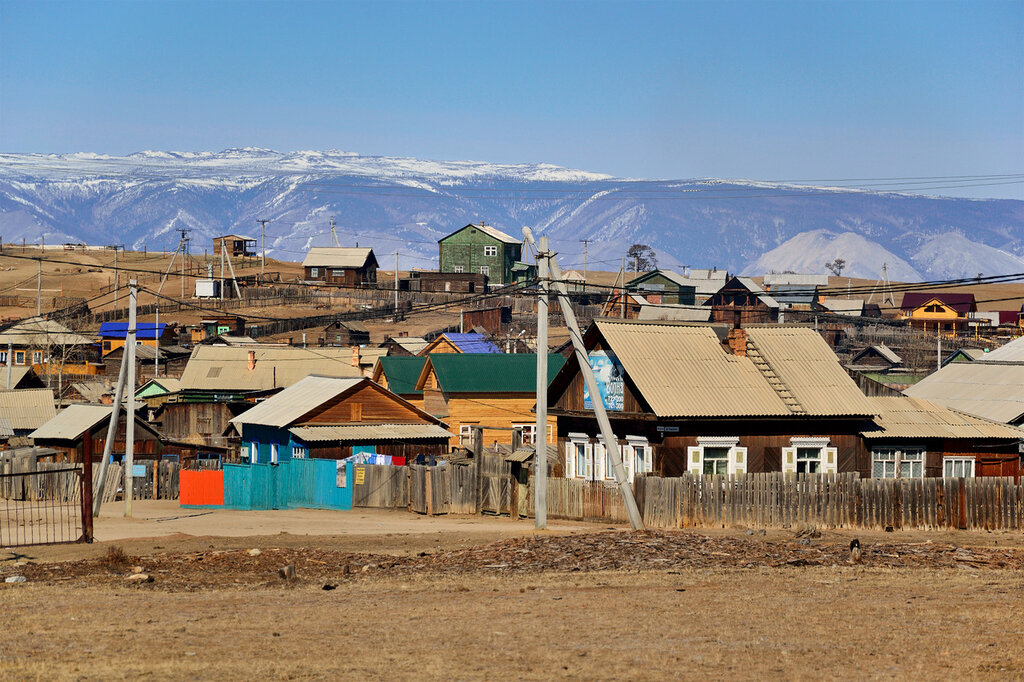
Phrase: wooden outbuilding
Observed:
(235, 245)
(79, 433)
(445, 282)
(343, 266)
(742, 301)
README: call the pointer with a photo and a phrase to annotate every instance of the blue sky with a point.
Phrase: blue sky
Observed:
(798, 91)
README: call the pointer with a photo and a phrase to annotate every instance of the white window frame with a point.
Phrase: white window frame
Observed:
(485, 270)
(529, 432)
(948, 462)
(491, 251)
(634, 466)
(37, 357)
(466, 434)
(579, 457)
(314, 272)
(337, 272)
(827, 459)
(457, 268)
(273, 453)
(908, 456)
(299, 452)
(254, 452)
(736, 458)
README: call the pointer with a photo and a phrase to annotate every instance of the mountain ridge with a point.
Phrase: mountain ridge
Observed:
(406, 204)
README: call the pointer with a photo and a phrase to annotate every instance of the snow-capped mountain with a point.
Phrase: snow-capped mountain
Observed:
(406, 205)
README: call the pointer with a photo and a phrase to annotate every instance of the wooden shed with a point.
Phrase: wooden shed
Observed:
(79, 432)
(343, 266)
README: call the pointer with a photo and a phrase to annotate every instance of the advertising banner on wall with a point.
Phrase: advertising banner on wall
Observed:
(608, 373)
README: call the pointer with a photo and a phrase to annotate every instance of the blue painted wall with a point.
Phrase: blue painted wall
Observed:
(305, 483)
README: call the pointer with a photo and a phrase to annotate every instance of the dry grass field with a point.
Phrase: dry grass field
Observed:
(390, 595)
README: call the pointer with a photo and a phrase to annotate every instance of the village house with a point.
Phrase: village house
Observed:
(26, 410)
(48, 347)
(212, 327)
(875, 358)
(148, 359)
(663, 286)
(404, 345)
(331, 418)
(624, 305)
(79, 433)
(711, 400)
(964, 355)
(345, 334)
(705, 282)
(339, 265)
(942, 311)
(742, 301)
(489, 390)
(112, 335)
(446, 282)
(484, 250)
(399, 375)
(235, 246)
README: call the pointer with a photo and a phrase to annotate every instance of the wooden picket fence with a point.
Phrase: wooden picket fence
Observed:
(831, 501)
(576, 500)
(63, 486)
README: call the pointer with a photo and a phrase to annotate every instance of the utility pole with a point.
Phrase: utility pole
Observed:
(129, 420)
(116, 279)
(585, 242)
(263, 245)
(938, 348)
(156, 336)
(39, 288)
(184, 255)
(108, 446)
(583, 359)
(334, 235)
(396, 285)
(623, 271)
(540, 445)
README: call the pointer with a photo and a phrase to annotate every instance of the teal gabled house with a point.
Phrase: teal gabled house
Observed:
(485, 250)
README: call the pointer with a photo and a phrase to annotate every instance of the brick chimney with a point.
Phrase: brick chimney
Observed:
(252, 360)
(737, 341)
(355, 356)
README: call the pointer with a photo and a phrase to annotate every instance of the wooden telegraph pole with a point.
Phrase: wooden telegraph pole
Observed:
(540, 448)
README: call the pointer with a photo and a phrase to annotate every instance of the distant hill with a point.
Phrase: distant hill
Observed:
(407, 204)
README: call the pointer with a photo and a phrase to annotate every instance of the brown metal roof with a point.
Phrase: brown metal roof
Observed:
(684, 371)
(904, 417)
(226, 368)
(809, 370)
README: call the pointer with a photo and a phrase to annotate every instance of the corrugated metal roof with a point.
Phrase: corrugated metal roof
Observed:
(883, 350)
(958, 301)
(489, 372)
(226, 368)
(810, 370)
(365, 432)
(842, 306)
(1011, 352)
(6, 430)
(27, 408)
(402, 372)
(905, 417)
(488, 230)
(119, 330)
(411, 344)
(337, 257)
(298, 399)
(35, 331)
(92, 391)
(18, 373)
(984, 389)
(683, 371)
(679, 313)
(72, 422)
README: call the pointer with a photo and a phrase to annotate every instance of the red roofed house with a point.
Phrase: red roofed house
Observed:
(941, 311)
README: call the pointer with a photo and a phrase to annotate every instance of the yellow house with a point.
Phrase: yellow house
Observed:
(496, 390)
(113, 334)
(942, 311)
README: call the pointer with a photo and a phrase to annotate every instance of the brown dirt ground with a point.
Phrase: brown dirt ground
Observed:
(474, 598)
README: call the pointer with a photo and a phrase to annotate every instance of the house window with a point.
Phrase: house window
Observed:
(314, 272)
(37, 357)
(106, 345)
(883, 462)
(19, 357)
(809, 456)
(254, 452)
(337, 273)
(457, 268)
(484, 270)
(716, 461)
(529, 433)
(298, 452)
(639, 455)
(579, 457)
(490, 250)
(466, 435)
(3, 356)
(715, 456)
(933, 309)
(958, 467)
(273, 453)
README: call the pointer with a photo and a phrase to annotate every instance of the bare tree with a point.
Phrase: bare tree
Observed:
(836, 266)
(641, 258)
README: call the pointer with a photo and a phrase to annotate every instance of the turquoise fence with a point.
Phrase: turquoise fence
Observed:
(306, 483)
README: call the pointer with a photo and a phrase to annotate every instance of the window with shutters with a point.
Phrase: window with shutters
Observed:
(578, 456)
(808, 460)
(314, 272)
(716, 456)
(958, 467)
(884, 462)
(809, 455)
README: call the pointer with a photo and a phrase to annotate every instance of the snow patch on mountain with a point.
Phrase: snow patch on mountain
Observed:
(809, 251)
(952, 255)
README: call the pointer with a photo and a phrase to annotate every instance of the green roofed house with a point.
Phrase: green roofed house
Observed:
(484, 250)
(663, 286)
(467, 390)
(399, 374)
